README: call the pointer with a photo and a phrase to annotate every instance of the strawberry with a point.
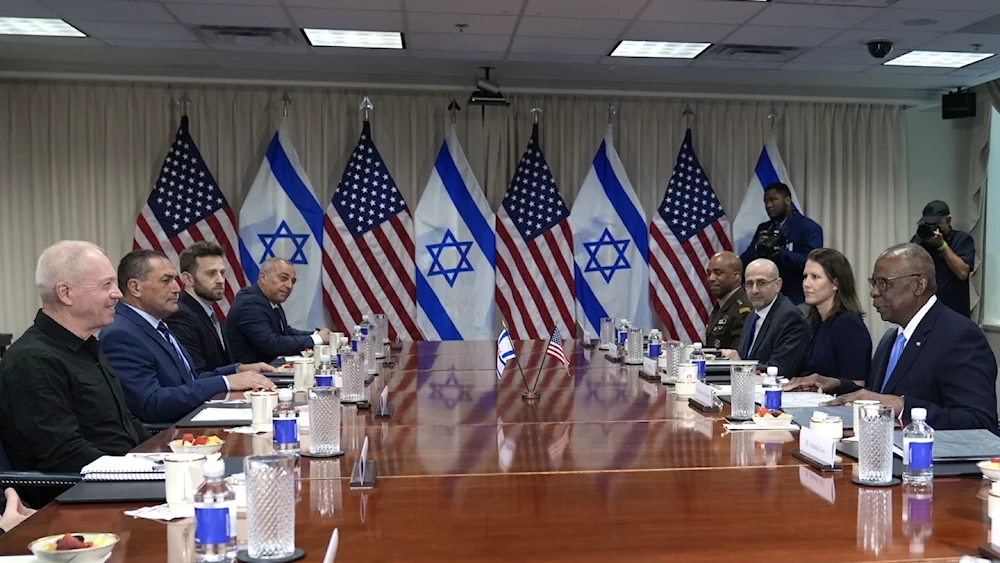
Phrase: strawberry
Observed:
(201, 440)
(187, 438)
(70, 541)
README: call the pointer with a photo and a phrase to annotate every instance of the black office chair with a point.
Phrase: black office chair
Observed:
(155, 428)
(36, 488)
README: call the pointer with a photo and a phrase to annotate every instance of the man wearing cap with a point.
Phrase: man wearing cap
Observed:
(954, 255)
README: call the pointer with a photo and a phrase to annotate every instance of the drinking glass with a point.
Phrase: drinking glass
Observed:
(270, 505)
(354, 380)
(607, 333)
(633, 346)
(381, 334)
(741, 376)
(875, 443)
(675, 350)
(324, 420)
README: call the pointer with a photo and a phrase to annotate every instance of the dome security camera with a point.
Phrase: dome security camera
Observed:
(879, 48)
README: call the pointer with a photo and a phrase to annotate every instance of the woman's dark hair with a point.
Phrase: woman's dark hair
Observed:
(838, 270)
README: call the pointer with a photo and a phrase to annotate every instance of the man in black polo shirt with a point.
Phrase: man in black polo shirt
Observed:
(954, 254)
(61, 405)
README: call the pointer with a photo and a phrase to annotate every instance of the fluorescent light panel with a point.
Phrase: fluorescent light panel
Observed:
(938, 59)
(47, 27)
(353, 38)
(659, 49)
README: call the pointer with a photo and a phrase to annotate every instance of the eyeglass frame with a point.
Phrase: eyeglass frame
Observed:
(759, 284)
(886, 282)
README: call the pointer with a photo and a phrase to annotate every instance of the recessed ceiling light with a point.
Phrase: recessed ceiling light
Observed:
(938, 59)
(49, 27)
(353, 38)
(659, 49)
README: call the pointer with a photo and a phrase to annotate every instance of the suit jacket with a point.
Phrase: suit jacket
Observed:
(803, 235)
(783, 340)
(158, 388)
(947, 367)
(258, 332)
(195, 331)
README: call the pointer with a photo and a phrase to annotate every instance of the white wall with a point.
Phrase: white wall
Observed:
(937, 163)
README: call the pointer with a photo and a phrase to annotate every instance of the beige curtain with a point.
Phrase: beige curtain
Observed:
(979, 158)
(80, 158)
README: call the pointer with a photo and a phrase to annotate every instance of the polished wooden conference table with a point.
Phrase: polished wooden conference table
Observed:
(605, 467)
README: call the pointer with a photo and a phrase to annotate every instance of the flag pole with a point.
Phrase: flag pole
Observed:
(366, 107)
(544, 357)
(454, 108)
(184, 101)
(286, 101)
(688, 115)
(772, 116)
(527, 391)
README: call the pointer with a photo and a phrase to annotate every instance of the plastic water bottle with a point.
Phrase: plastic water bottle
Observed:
(698, 359)
(356, 339)
(324, 373)
(214, 516)
(918, 448)
(772, 391)
(286, 424)
(655, 343)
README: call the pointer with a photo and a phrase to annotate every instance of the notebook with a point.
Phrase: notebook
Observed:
(958, 445)
(123, 468)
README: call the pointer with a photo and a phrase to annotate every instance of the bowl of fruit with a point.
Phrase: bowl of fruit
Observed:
(990, 468)
(74, 548)
(771, 418)
(189, 444)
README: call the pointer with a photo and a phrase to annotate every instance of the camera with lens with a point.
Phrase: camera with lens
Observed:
(775, 241)
(926, 231)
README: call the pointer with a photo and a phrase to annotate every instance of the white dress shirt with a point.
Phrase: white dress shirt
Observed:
(912, 325)
(761, 315)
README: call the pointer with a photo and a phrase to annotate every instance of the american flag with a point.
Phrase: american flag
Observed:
(555, 348)
(689, 227)
(368, 247)
(535, 251)
(185, 207)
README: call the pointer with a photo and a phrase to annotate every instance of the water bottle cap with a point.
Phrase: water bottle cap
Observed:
(697, 345)
(285, 394)
(357, 328)
(772, 370)
(324, 358)
(918, 413)
(214, 468)
(364, 318)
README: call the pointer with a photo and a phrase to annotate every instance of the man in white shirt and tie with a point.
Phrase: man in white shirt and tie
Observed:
(196, 323)
(935, 359)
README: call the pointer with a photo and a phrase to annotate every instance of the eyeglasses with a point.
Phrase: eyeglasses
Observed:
(885, 283)
(759, 284)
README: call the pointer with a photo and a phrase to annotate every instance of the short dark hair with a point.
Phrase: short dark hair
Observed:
(782, 189)
(190, 255)
(135, 265)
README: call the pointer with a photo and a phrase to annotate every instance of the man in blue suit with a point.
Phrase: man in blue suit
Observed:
(257, 329)
(785, 240)
(156, 372)
(936, 359)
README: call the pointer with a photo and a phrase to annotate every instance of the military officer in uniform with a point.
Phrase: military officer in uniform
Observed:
(725, 282)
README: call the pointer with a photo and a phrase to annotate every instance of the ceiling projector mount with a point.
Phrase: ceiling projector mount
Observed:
(487, 92)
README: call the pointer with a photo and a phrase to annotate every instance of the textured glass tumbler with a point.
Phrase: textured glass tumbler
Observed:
(675, 352)
(741, 376)
(874, 519)
(324, 420)
(633, 346)
(372, 345)
(381, 334)
(354, 380)
(270, 505)
(607, 333)
(875, 443)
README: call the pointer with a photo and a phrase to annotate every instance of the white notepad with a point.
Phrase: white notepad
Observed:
(211, 414)
(122, 468)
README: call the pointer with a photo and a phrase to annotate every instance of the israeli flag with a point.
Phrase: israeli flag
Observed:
(505, 352)
(769, 169)
(455, 251)
(610, 245)
(282, 218)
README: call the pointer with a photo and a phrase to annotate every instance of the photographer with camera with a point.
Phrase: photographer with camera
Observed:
(954, 254)
(785, 240)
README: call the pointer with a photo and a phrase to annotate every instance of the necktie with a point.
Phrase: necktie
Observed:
(897, 351)
(218, 329)
(748, 331)
(169, 337)
(282, 319)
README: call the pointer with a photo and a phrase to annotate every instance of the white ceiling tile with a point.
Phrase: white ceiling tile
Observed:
(499, 7)
(550, 58)
(685, 32)
(836, 55)
(945, 20)
(561, 46)
(901, 39)
(893, 69)
(760, 65)
(50, 41)
(964, 42)
(992, 62)
(780, 36)
(215, 14)
(814, 67)
(701, 11)
(390, 5)
(154, 44)
(570, 27)
(371, 20)
(613, 62)
(600, 9)
(461, 54)
(25, 9)
(799, 15)
(974, 5)
(478, 24)
(110, 11)
(151, 31)
(449, 41)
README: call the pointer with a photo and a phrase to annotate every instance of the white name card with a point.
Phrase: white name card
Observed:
(817, 446)
(649, 367)
(363, 458)
(704, 394)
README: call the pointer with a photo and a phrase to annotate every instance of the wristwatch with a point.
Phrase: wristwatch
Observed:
(943, 246)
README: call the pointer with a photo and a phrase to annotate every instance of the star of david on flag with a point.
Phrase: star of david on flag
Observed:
(459, 253)
(284, 232)
(617, 260)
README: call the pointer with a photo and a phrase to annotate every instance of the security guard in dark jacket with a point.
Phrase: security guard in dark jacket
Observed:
(725, 281)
